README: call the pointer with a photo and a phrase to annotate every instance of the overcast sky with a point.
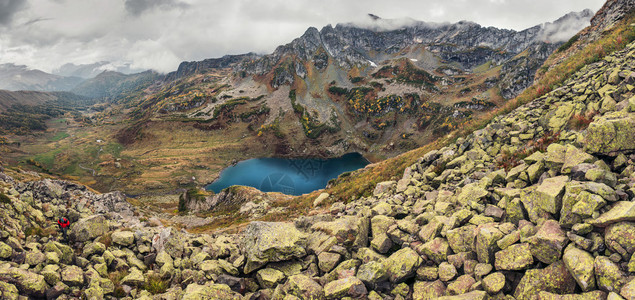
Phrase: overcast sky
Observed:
(159, 34)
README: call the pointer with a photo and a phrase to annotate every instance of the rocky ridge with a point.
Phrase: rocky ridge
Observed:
(536, 205)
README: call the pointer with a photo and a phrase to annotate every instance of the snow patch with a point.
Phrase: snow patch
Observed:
(414, 60)
(372, 64)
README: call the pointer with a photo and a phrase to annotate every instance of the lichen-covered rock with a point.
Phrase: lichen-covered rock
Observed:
(494, 283)
(621, 211)
(5, 251)
(402, 264)
(8, 291)
(611, 133)
(89, 228)
(73, 276)
(547, 244)
(209, 291)
(303, 287)
(620, 237)
(425, 290)
(554, 279)
(372, 272)
(269, 277)
(345, 287)
(486, 246)
(265, 242)
(608, 275)
(549, 193)
(514, 258)
(461, 285)
(351, 231)
(462, 239)
(134, 278)
(581, 266)
(28, 282)
(437, 250)
(123, 238)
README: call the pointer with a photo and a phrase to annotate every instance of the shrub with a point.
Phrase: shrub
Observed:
(569, 43)
(579, 122)
(155, 284)
(4, 198)
(106, 239)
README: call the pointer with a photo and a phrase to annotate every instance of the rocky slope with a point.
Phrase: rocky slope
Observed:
(20, 78)
(536, 205)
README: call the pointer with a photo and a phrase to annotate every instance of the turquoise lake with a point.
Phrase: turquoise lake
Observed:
(288, 176)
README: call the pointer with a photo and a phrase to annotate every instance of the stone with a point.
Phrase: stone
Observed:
(508, 240)
(486, 239)
(327, 261)
(320, 199)
(5, 251)
(471, 193)
(462, 239)
(350, 231)
(574, 157)
(428, 273)
(402, 264)
(372, 272)
(547, 244)
(424, 290)
(8, 291)
(608, 276)
(620, 237)
(73, 276)
(587, 204)
(27, 282)
(594, 295)
(350, 286)
(265, 242)
(473, 295)
(51, 274)
(34, 258)
(447, 271)
(209, 291)
(549, 193)
(514, 258)
(93, 248)
(628, 290)
(437, 250)
(611, 133)
(554, 279)
(581, 266)
(461, 285)
(303, 287)
(134, 278)
(621, 211)
(123, 238)
(89, 228)
(268, 277)
(494, 283)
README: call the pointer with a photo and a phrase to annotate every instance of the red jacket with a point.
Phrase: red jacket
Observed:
(63, 222)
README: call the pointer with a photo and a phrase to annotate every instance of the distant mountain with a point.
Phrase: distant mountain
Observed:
(18, 77)
(88, 71)
(32, 98)
(109, 84)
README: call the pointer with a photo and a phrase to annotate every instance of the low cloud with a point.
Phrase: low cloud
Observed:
(138, 7)
(8, 8)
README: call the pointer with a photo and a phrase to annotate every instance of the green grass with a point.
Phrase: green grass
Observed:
(60, 136)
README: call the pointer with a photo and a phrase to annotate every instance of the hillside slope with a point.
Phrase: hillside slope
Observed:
(535, 205)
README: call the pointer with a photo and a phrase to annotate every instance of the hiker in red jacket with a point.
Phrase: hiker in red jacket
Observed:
(63, 223)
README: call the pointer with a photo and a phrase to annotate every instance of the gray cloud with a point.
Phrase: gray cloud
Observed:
(137, 7)
(8, 8)
(159, 34)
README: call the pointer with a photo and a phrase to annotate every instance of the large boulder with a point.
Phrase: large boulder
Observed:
(351, 231)
(621, 211)
(28, 282)
(73, 276)
(554, 279)
(265, 242)
(123, 238)
(303, 287)
(514, 258)
(581, 265)
(547, 244)
(89, 228)
(345, 287)
(549, 194)
(620, 237)
(209, 291)
(402, 264)
(611, 133)
(608, 275)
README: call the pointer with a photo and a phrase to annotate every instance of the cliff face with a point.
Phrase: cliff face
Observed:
(465, 43)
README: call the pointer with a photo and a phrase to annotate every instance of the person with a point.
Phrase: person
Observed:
(64, 223)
